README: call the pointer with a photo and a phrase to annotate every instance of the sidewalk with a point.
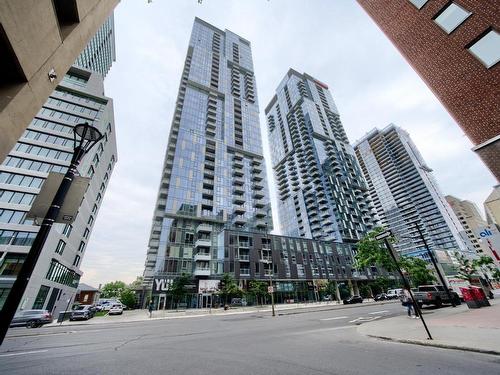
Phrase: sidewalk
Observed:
(476, 330)
(143, 315)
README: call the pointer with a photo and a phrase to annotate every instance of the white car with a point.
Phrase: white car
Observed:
(116, 309)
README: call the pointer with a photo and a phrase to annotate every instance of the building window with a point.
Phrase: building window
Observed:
(12, 264)
(487, 48)
(67, 230)
(81, 247)
(40, 297)
(86, 233)
(451, 17)
(76, 262)
(60, 247)
(418, 3)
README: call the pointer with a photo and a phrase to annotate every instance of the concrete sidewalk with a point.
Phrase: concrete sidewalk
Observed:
(143, 315)
(476, 330)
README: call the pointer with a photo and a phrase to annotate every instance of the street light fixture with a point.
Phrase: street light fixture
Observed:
(85, 137)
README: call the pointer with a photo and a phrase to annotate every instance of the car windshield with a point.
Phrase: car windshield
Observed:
(79, 308)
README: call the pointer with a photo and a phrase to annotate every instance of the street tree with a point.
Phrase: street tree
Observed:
(372, 252)
(418, 271)
(113, 289)
(178, 288)
(127, 297)
(228, 287)
(466, 268)
(257, 289)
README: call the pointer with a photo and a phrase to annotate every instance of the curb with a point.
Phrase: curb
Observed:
(436, 345)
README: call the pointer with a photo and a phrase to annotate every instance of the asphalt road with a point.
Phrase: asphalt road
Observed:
(300, 342)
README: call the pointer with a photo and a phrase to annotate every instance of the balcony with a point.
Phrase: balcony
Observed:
(260, 224)
(238, 190)
(239, 210)
(205, 257)
(240, 220)
(204, 228)
(238, 200)
(201, 272)
(244, 258)
(257, 195)
(203, 242)
(244, 272)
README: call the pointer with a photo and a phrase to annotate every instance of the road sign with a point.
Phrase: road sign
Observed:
(383, 235)
(270, 289)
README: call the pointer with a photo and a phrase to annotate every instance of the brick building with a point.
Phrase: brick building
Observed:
(455, 47)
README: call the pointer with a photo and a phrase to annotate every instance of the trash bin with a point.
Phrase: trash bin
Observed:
(63, 315)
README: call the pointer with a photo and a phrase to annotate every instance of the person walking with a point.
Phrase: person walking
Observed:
(408, 302)
(150, 308)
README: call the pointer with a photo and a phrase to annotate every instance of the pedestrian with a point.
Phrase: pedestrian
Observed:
(408, 302)
(150, 308)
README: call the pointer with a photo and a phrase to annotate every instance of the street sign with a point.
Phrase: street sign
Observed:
(383, 235)
(270, 289)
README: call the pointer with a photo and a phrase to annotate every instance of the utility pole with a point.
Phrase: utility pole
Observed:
(438, 271)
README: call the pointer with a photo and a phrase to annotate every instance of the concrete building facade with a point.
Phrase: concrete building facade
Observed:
(322, 192)
(300, 269)
(214, 172)
(405, 193)
(39, 41)
(492, 207)
(455, 48)
(47, 146)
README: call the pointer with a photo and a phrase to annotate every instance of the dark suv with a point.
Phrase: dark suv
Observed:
(82, 312)
(31, 318)
(353, 299)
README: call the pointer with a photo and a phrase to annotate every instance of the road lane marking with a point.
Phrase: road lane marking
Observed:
(378, 312)
(338, 317)
(21, 353)
(364, 320)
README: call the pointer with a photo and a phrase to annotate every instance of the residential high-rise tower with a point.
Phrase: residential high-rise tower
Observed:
(214, 172)
(322, 193)
(406, 194)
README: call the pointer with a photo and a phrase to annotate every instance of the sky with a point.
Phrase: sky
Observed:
(333, 40)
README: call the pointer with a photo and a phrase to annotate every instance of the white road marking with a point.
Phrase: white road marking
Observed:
(378, 312)
(338, 317)
(364, 320)
(21, 353)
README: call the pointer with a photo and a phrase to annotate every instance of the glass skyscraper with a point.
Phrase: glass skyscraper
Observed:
(47, 146)
(405, 193)
(100, 52)
(322, 193)
(214, 172)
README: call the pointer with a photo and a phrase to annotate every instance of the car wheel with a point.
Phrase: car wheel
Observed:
(31, 324)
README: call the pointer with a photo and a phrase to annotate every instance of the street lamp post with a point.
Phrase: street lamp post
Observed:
(88, 136)
(271, 287)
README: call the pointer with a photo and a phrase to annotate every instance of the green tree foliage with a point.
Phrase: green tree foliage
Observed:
(372, 252)
(137, 283)
(466, 268)
(127, 297)
(418, 272)
(381, 284)
(178, 288)
(113, 289)
(258, 290)
(228, 288)
(469, 268)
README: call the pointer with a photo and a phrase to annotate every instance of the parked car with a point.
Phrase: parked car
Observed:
(382, 297)
(327, 298)
(435, 295)
(394, 293)
(31, 318)
(238, 302)
(116, 309)
(82, 312)
(353, 299)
